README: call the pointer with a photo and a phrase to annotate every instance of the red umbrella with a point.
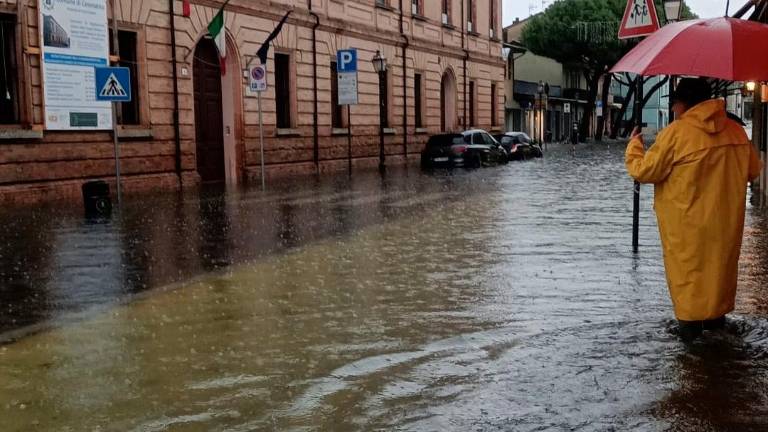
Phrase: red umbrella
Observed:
(726, 48)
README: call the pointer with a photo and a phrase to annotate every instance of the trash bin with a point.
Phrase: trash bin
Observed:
(96, 198)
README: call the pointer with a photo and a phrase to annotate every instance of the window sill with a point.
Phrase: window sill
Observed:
(389, 131)
(422, 131)
(136, 132)
(420, 17)
(385, 7)
(339, 131)
(288, 132)
(18, 133)
(449, 27)
(495, 39)
(473, 33)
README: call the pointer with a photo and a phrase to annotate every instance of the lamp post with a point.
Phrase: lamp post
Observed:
(539, 122)
(380, 66)
(673, 9)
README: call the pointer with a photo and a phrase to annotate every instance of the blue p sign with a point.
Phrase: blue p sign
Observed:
(346, 60)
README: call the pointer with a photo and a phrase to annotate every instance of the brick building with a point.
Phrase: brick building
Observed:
(445, 72)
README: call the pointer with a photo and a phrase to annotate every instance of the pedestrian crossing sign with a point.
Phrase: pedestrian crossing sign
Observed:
(113, 84)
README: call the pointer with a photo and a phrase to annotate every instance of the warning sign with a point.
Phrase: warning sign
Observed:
(113, 84)
(639, 20)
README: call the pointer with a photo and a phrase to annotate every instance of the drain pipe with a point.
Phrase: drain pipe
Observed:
(466, 56)
(176, 132)
(315, 136)
(405, 45)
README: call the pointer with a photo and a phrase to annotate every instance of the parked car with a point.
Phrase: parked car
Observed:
(519, 146)
(472, 148)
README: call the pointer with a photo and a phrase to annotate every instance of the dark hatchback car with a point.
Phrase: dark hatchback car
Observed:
(472, 149)
(519, 146)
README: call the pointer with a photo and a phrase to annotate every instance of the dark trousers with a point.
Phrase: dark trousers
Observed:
(690, 330)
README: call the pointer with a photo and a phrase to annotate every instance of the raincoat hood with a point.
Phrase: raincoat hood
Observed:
(709, 116)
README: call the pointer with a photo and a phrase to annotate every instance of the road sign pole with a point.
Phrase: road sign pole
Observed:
(115, 138)
(261, 143)
(116, 142)
(636, 192)
(349, 139)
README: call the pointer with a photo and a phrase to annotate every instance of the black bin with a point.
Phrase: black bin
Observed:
(96, 198)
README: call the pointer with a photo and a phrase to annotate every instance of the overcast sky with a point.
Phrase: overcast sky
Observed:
(703, 8)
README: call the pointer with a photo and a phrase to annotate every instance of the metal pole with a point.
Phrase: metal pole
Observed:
(381, 121)
(115, 105)
(261, 143)
(349, 139)
(636, 193)
(117, 153)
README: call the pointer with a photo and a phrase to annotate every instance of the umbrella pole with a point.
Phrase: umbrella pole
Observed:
(636, 190)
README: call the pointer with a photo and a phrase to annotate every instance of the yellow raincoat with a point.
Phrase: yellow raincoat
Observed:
(700, 166)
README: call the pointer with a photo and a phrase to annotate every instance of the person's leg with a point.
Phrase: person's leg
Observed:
(715, 324)
(690, 330)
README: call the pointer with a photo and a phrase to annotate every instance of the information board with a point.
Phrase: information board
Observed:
(74, 41)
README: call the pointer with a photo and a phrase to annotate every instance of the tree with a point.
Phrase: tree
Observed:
(553, 34)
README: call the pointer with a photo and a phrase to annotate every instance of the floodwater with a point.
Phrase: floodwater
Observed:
(502, 299)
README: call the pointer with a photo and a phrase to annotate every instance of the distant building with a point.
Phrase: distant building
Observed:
(550, 114)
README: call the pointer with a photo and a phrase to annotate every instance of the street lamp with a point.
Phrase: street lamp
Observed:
(751, 86)
(673, 10)
(540, 92)
(380, 66)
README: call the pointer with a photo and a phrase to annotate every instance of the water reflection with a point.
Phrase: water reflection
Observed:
(494, 300)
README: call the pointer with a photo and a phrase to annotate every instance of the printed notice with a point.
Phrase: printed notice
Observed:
(75, 40)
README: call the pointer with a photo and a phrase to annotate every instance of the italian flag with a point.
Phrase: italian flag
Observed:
(218, 33)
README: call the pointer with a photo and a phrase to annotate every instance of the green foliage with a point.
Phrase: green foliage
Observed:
(553, 33)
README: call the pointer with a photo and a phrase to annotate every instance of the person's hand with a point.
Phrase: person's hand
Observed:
(637, 133)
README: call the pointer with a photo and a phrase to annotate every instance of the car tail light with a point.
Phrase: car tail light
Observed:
(459, 149)
(514, 148)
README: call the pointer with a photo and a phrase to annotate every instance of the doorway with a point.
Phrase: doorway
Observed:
(209, 124)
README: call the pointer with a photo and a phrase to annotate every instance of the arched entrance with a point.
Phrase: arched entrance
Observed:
(209, 117)
(448, 102)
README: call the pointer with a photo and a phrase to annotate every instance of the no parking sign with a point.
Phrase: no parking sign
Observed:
(258, 78)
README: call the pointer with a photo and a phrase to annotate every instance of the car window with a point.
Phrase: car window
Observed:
(508, 140)
(489, 139)
(468, 139)
(458, 140)
(477, 138)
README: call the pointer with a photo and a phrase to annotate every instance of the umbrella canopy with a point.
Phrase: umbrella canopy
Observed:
(725, 48)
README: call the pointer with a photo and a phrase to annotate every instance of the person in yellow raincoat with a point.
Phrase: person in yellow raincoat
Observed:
(700, 166)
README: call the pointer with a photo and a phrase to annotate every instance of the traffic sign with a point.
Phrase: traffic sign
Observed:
(346, 68)
(113, 84)
(639, 20)
(346, 60)
(567, 108)
(258, 78)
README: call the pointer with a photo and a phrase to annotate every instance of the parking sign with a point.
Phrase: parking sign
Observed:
(346, 68)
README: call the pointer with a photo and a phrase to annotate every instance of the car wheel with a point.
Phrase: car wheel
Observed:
(476, 161)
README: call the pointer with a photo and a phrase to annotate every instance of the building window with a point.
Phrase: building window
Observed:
(336, 109)
(9, 91)
(446, 12)
(417, 7)
(127, 41)
(470, 16)
(382, 3)
(494, 113)
(492, 25)
(417, 104)
(283, 90)
(472, 103)
(385, 99)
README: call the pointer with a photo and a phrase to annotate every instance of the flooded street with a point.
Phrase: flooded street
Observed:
(502, 299)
